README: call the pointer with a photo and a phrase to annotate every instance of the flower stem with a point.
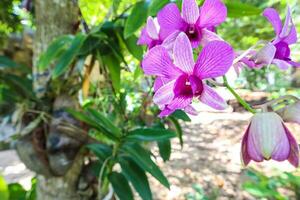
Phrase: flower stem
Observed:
(241, 101)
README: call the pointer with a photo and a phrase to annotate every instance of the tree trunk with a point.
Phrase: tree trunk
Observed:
(55, 18)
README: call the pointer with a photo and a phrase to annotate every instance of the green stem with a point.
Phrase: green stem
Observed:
(241, 101)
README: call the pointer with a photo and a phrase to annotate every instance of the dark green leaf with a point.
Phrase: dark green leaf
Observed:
(136, 18)
(90, 121)
(150, 134)
(104, 122)
(133, 48)
(237, 9)
(68, 56)
(7, 63)
(143, 158)
(102, 151)
(156, 5)
(120, 186)
(114, 68)
(21, 85)
(54, 50)
(179, 114)
(137, 177)
(164, 149)
(178, 129)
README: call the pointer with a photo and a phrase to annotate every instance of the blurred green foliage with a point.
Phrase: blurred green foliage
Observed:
(279, 187)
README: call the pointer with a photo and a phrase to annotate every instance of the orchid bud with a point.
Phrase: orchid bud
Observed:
(291, 113)
(268, 138)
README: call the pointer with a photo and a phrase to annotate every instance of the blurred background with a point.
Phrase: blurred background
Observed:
(208, 165)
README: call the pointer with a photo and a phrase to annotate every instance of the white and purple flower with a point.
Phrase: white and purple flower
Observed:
(268, 138)
(277, 51)
(180, 80)
(198, 23)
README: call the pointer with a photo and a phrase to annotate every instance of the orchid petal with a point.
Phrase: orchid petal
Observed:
(144, 38)
(157, 83)
(245, 157)
(266, 54)
(294, 149)
(180, 102)
(166, 112)
(212, 13)
(209, 36)
(151, 28)
(284, 65)
(170, 20)
(183, 54)
(158, 62)
(211, 98)
(215, 60)
(292, 37)
(164, 94)
(169, 42)
(191, 110)
(282, 148)
(196, 85)
(273, 17)
(294, 64)
(190, 11)
(287, 24)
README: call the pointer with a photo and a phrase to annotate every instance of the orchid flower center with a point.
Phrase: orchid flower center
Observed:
(188, 85)
(193, 33)
(282, 51)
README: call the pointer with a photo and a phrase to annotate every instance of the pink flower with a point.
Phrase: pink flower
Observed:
(268, 138)
(277, 51)
(198, 24)
(180, 81)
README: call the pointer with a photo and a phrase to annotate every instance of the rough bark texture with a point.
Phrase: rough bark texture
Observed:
(55, 18)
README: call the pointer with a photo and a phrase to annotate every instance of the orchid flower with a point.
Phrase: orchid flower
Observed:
(198, 24)
(180, 81)
(268, 138)
(151, 36)
(277, 51)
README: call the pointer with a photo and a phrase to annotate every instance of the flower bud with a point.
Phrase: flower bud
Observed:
(291, 113)
(268, 138)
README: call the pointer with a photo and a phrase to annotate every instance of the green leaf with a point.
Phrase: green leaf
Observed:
(102, 151)
(16, 192)
(236, 9)
(104, 122)
(178, 129)
(21, 85)
(120, 186)
(55, 49)
(156, 5)
(137, 177)
(68, 56)
(133, 48)
(136, 19)
(179, 114)
(150, 134)
(113, 65)
(90, 121)
(4, 193)
(143, 158)
(164, 149)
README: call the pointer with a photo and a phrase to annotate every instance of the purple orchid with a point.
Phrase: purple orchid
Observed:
(180, 81)
(150, 34)
(198, 24)
(268, 138)
(277, 51)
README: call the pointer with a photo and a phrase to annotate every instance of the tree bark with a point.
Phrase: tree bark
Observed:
(55, 18)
